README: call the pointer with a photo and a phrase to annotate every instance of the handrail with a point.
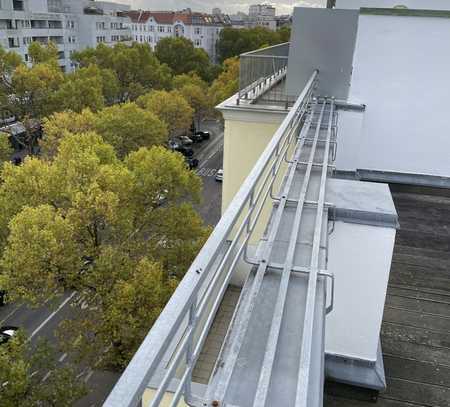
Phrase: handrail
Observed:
(183, 303)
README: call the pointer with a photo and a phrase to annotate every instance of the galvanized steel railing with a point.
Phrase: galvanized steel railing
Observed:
(262, 73)
(190, 312)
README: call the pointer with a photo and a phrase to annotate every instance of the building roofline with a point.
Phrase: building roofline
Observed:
(400, 12)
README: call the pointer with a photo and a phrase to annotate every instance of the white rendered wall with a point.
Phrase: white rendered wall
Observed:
(412, 4)
(401, 72)
(360, 258)
(349, 140)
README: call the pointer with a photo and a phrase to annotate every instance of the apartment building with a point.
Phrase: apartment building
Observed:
(202, 29)
(71, 24)
(259, 15)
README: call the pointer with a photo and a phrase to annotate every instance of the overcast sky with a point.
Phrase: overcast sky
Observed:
(282, 6)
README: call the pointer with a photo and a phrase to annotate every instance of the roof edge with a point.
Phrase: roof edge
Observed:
(400, 12)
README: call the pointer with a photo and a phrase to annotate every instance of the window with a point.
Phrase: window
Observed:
(18, 5)
(100, 25)
(101, 39)
(197, 30)
(198, 43)
(152, 29)
(70, 24)
(160, 28)
(169, 29)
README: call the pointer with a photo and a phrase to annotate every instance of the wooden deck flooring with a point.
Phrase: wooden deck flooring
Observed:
(416, 323)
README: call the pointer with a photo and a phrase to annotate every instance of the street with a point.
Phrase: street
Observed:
(41, 322)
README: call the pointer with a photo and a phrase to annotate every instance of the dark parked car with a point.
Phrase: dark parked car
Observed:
(192, 163)
(187, 152)
(6, 333)
(196, 138)
(205, 135)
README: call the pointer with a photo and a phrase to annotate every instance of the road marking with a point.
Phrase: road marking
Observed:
(207, 172)
(220, 147)
(88, 376)
(61, 359)
(51, 315)
(10, 314)
(46, 376)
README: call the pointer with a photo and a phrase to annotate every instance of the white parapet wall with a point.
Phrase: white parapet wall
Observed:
(412, 4)
(401, 74)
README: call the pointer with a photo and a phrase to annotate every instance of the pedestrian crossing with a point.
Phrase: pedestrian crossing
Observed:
(207, 172)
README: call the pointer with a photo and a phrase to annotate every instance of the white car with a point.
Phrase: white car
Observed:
(186, 141)
(219, 175)
(6, 333)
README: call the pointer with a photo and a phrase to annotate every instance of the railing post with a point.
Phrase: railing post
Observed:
(189, 350)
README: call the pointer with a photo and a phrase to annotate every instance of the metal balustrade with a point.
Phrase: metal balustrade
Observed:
(262, 74)
(190, 312)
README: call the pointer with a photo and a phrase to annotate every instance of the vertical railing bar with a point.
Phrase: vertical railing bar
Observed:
(189, 358)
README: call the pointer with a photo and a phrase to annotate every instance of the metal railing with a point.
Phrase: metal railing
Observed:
(191, 310)
(262, 75)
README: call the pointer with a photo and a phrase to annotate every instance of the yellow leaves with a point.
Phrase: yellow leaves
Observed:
(170, 107)
(227, 84)
(128, 127)
(41, 256)
(115, 230)
(61, 124)
(6, 150)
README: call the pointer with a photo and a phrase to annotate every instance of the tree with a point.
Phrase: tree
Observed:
(194, 90)
(126, 127)
(6, 150)
(227, 84)
(284, 33)
(84, 88)
(22, 369)
(182, 57)
(170, 107)
(121, 233)
(234, 42)
(42, 54)
(136, 68)
(60, 124)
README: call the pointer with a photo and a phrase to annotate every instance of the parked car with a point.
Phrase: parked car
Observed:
(6, 333)
(174, 145)
(205, 135)
(196, 138)
(192, 163)
(219, 175)
(187, 152)
(185, 140)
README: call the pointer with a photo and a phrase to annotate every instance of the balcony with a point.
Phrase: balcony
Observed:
(262, 77)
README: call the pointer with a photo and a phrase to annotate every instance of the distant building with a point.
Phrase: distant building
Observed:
(216, 11)
(259, 15)
(202, 29)
(261, 10)
(71, 24)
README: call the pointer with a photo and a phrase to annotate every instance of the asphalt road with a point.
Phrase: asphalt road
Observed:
(42, 322)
